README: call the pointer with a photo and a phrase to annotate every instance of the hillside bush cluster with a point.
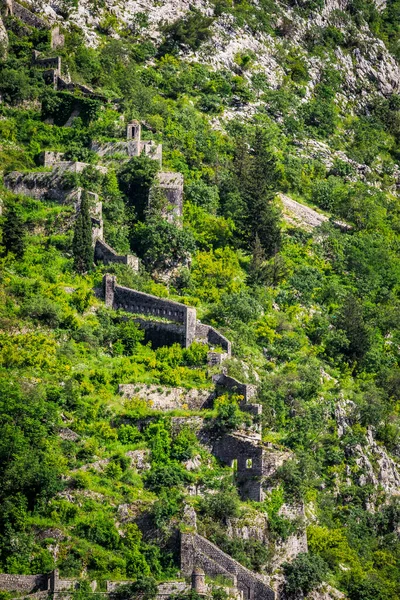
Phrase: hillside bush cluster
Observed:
(312, 315)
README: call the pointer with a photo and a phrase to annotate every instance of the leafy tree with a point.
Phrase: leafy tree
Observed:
(223, 505)
(186, 33)
(257, 177)
(303, 574)
(351, 321)
(129, 335)
(82, 243)
(161, 244)
(135, 180)
(229, 416)
(14, 232)
(144, 588)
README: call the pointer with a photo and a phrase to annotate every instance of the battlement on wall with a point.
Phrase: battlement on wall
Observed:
(196, 551)
(119, 297)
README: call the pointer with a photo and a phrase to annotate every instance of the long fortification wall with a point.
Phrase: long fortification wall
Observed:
(22, 583)
(196, 551)
(28, 17)
(119, 297)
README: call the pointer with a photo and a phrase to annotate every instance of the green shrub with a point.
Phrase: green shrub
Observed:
(303, 574)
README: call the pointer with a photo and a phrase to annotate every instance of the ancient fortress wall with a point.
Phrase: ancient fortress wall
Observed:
(168, 398)
(44, 185)
(107, 255)
(22, 583)
(248, 391)
(28, 17)
(196, 551)
(211, 336)
(119, 297)
(160, 332)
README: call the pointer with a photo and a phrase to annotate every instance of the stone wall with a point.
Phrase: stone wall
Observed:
(42, 186)
(206, 333)
(216, 358)
(168, 398)
(28, 17)
(70, 86)
(160, 333)
(46, 185)
(129, 149)
(171, 187)
(47, 63)
(247, 390)
(199, 552)
(245, 454)
(57, 38)
(107, 255)
(119, 297)
(50, 159)
(22, 583)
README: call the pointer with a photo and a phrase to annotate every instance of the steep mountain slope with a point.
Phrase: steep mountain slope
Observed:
(261, 106)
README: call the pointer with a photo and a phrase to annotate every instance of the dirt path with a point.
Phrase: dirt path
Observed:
(303, 216)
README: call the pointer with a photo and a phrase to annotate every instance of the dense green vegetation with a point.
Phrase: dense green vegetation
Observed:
(313, 315)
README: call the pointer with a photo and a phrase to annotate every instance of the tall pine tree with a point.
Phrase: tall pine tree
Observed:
(82, 242)
(257, 179)
(14, 232)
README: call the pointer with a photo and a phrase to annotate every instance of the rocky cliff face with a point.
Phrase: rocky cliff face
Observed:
(373, 465)
(366, 63)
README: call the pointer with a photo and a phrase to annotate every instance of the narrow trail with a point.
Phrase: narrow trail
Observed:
(298, 214)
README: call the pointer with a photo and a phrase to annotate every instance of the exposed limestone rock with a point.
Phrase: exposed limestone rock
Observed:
(286, 551)
(375, 466)
(193, 463)
(252, 525)
(190, 517)
(139, 459)
(3, 40)
(67, 434)
(326, 592)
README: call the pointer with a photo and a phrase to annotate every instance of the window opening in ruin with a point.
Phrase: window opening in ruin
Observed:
(234, 464)
(249, 463)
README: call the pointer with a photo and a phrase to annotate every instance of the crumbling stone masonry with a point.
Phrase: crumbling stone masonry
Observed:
(170, 186)
(196, 551)
(209, 335)
(47, 63)
(119, 297)
(25, 15)
(168, 398)
(12, 8)
(133, 146)
(29, 584)
(245, 454)
(46, 185)
(248, 391)
(22, 583)
(107, 255)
